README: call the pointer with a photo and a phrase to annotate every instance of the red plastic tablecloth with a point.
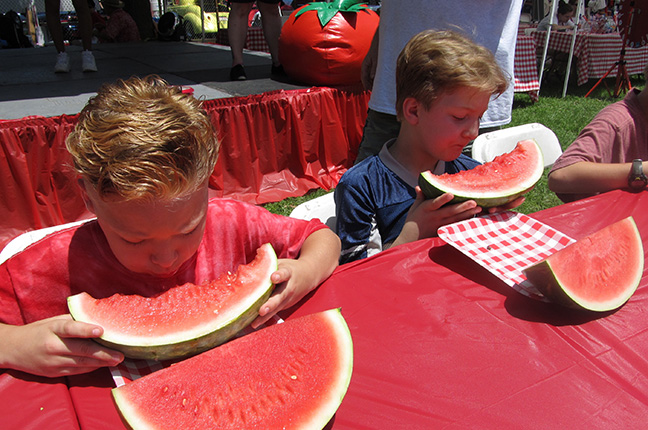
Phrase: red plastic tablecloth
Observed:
(440, 342)
(273, 145)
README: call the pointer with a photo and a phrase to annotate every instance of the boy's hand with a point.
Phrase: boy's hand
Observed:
(426, 216)
(55, 346)
(287, 292)
(293, 279)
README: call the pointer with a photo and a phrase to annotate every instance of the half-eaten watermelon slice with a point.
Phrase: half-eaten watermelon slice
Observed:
(495, 183)
(599, 272)
(292, 375)
(183, 320)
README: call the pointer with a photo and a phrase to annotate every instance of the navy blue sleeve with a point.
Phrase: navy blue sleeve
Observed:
(355, 216)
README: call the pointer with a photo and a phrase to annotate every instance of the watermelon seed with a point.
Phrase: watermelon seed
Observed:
(293, 377)
(184, 402)
(489, 248)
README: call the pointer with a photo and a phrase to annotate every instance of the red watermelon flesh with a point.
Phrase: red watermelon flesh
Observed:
(599, 272)
(183, 320)
(497, 182)
(292, 375)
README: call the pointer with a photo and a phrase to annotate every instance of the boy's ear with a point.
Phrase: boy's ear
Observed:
(84, 195)
(411, 108)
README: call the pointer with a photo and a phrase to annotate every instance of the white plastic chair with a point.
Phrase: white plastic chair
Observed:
(322, 208)
(489, 145)
(22, 241)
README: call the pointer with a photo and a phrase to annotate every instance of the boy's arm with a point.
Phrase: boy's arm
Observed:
(53, 347)
(294, 279)
(587, 177)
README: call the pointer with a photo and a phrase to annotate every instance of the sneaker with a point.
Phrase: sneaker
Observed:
(238, 73)
(62, 63)
(88, 62)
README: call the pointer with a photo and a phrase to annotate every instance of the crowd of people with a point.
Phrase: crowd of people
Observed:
(144, 152)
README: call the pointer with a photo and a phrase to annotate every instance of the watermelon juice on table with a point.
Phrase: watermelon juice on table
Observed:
(292, 375)
(184, 320)
(494, 183)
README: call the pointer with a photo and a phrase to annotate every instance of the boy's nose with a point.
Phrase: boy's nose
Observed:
(472, 131)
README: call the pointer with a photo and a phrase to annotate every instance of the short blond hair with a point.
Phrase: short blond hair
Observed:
(142, 138)
(437, 62)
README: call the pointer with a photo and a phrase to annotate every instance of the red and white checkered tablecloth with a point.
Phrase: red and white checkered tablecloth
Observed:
(526, 67)
(255, 40)
(596, 53)
(506, 243)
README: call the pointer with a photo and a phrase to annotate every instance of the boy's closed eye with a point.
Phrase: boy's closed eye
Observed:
(135, 242)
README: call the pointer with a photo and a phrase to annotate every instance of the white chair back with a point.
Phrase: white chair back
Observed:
(489, 145)
(18, 243)
(322, 208)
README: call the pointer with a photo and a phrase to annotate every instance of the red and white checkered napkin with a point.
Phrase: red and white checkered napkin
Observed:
(506, 243)
(131, 369)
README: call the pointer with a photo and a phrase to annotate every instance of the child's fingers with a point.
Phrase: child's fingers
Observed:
(68, 328)
(85, 352)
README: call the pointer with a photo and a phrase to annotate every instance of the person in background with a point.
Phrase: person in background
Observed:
(491, 23)
(610, 153)
(140, 10)
(562, 20)
(237, 26)
(53, 17)
(120, 26)
(444, 82)
(144, 152)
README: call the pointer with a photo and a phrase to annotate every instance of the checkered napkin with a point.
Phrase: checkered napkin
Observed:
(506, 243)
(132, 369)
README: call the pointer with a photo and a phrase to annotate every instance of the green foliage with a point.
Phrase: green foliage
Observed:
(327, 10)
(565, 116)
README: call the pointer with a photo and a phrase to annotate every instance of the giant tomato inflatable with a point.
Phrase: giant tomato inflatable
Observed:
(324, 43)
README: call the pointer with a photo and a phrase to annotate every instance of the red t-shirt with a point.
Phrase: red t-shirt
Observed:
(35, 283)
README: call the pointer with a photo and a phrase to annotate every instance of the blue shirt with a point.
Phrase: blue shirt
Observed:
(372, 200)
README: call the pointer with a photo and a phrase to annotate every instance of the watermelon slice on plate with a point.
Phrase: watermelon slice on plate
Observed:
(495, 183)
(599, 272)
(183, 320)
(292, 375)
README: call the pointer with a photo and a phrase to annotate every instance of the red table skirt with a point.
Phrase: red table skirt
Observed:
(273, 145)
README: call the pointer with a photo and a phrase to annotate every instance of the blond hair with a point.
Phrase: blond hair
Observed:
(141, 138)
(437, 62)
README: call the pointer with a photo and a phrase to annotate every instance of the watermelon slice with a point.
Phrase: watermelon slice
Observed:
(184, 320)
(599, 272)
(292, 375)
(495, 183)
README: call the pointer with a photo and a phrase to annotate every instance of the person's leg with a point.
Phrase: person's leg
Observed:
(271, 22)
(53, 18)
(378, 129)
(237, 26)
(85, 23)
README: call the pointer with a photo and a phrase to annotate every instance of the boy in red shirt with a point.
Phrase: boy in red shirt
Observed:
(144, 153)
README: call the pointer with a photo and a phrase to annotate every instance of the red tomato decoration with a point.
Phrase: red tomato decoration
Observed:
(324, 43)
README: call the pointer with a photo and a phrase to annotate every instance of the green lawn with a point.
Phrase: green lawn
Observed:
(565, 116)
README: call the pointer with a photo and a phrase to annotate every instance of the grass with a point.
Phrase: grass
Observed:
(566, 116)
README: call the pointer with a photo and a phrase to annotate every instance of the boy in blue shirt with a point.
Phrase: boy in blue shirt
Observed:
(443, 85)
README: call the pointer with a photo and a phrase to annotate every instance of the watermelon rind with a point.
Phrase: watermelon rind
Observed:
(546, 275)
(433, 186)
(179, 396)
(181, 344)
